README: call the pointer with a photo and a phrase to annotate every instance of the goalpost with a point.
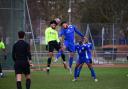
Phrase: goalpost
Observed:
(31, 28)
(88, 34)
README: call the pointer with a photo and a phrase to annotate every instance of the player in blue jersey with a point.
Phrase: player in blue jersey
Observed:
(85, 56)
(67, 34)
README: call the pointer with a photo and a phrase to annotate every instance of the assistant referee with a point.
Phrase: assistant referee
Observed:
(22, 60)
(2, 47)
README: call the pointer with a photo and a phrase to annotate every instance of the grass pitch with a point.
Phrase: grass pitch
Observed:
(59, 78)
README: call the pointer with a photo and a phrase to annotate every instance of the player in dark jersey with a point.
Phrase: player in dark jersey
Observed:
(22, 60)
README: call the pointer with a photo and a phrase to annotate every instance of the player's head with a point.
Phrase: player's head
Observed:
(21, 34)
(64, 24)
(85, 39)
(80, 42)
(53, 24)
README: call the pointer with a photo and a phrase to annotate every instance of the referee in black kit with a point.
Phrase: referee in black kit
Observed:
(22, 60)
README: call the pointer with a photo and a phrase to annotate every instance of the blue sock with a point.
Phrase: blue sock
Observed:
(70, 62)
(93, 73)
(58, 54)
(79, 70)
(75, 72)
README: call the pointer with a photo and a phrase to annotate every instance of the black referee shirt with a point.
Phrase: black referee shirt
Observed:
(21, 51)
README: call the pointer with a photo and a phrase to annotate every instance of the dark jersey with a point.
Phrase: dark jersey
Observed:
(21, 51)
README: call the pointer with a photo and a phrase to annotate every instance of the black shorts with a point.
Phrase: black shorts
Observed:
(53, 45)
(22, 67)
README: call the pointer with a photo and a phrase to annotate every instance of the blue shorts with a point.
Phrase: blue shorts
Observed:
(84, 60)
(70, 46)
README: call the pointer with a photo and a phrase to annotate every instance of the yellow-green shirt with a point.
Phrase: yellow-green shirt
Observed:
(51, 35)
(2, 46)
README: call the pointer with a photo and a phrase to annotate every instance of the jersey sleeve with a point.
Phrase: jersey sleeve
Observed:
(29, 52)
(91, 46)
(57, 37)
(2, 45)
(77, 31)
(46, 36)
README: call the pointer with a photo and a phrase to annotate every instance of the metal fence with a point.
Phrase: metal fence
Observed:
(110, 39)
(12, 14)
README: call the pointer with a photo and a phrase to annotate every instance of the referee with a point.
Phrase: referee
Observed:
(22, 60)
(52, 40)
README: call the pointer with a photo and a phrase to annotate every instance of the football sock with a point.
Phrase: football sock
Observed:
(49, 62)
(70, 62)
(79, 70)
(93, 73)
(19, 85)
(28, 83)
(63, 57)
(75, 72)
(58, 54)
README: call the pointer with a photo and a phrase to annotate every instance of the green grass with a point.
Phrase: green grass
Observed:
(109, 78)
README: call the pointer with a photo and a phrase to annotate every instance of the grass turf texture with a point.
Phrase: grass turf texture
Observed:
(109, 78)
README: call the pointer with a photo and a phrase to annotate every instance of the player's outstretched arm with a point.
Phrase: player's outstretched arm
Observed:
(78, 32)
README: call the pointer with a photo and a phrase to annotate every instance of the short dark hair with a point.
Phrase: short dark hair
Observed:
(63, 22)
(80, 42)
(21, 34)
(53, 22)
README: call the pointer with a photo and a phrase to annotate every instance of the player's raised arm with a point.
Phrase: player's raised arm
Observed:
(78, 32)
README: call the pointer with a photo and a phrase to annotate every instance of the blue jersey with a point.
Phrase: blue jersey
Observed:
(68, 33)
(84, 53)
(89, 48)
(69, 37)
(81, 50)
